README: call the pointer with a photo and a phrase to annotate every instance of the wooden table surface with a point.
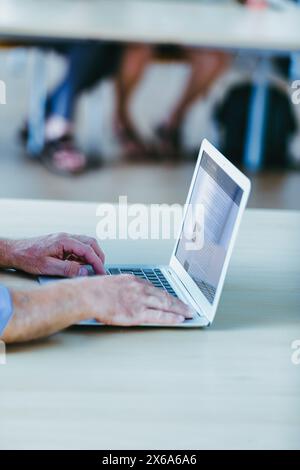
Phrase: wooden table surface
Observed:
(230, 386)
(204, 23)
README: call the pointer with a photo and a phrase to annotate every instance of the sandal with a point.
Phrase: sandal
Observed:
(62, 157)
(169, 140)
(133, 148)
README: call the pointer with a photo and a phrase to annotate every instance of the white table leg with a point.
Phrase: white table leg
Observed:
(254, 142)
(37, 104)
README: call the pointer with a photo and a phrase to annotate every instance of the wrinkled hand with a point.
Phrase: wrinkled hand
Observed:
(128, 301)
(57, 255)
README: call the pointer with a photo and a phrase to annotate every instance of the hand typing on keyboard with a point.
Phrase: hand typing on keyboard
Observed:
(127, 300)
(155, 276)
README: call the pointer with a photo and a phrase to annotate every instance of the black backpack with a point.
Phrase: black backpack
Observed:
(232, 118)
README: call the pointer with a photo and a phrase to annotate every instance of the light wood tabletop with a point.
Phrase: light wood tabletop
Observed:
(232, 385)
(202, 23)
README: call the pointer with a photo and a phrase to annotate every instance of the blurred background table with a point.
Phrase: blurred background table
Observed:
(210, 24)
(224, 24)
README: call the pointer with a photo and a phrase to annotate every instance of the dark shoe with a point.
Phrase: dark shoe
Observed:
(64, 158)
(169, 141)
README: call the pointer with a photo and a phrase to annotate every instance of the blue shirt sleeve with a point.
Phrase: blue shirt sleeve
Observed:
(6, 308)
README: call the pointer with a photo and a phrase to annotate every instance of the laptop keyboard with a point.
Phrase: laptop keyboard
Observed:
(155, 276)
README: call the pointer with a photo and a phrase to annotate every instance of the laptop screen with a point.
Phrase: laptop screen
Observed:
(219, 197)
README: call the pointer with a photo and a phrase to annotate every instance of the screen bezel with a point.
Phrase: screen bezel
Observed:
(205, 307)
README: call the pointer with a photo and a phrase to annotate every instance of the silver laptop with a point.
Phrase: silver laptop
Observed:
(196, 272)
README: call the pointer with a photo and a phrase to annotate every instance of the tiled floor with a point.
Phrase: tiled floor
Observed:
(145, 183)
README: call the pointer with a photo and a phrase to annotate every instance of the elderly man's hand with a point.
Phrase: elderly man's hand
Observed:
(56, 255)
(112, 300)
(128, 301)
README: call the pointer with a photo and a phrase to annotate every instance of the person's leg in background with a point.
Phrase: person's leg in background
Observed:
(206, 67)
(87, 64)
(135, 59)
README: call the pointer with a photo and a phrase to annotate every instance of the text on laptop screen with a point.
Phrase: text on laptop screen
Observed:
(220, 197)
